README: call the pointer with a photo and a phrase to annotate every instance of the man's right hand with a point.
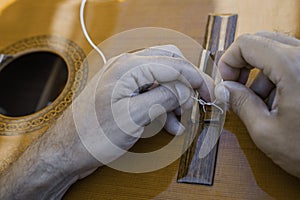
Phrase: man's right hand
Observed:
(270, 106)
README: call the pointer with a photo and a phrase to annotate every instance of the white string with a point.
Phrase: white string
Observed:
(86, 35)
(203, 103)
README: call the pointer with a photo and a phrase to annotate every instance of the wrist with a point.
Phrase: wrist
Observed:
(50, 165)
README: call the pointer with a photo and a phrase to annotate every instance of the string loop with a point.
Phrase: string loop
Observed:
(204, 103)
(86, 35)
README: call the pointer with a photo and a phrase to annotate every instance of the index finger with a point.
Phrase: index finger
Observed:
(141, 70)
(250, 51)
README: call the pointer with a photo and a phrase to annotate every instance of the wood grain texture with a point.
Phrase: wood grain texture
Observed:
(193, 168)
(242, 170)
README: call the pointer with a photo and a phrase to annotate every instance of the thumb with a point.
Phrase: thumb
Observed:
(244, 102)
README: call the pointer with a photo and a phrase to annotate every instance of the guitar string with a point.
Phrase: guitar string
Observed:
(204, 103)
(86, 34)
(98, 50)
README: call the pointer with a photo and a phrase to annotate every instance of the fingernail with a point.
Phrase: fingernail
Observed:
(222, 94)
(181, 129)
(183, 93)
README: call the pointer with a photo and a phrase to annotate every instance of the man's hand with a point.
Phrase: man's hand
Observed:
(133, 90)
(270, 107)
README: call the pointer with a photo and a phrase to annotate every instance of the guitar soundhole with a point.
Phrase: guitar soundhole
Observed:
(31, 82)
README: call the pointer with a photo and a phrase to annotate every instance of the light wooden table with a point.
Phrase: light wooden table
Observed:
(243, 171)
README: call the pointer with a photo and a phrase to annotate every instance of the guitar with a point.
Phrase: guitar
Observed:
(242, 170)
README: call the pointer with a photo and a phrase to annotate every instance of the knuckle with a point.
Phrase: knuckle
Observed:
(263, 33)
(170, 46)
(243, 37)
(125, 55)
(122, 59)
(293, 54)
(129, 57)
(289, 60)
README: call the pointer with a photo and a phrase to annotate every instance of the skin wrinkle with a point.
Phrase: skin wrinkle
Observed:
(149, 71)
(265, 68)
(111, 132)
(138, 83)
(242, 59)
(194, 83)
(170, 54)
(47, 167)
(116, 62)
(154, 51)
(30, 173)
(114, 134)
(272, 105)
(64, 157)
(63, 138)
(146, 67)
(275, 131)
(146, 120)
(238, 104)
(279, 100)
(274, 77)
(158, 59)
(60, 188)
(262, 86)
(59, 157)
